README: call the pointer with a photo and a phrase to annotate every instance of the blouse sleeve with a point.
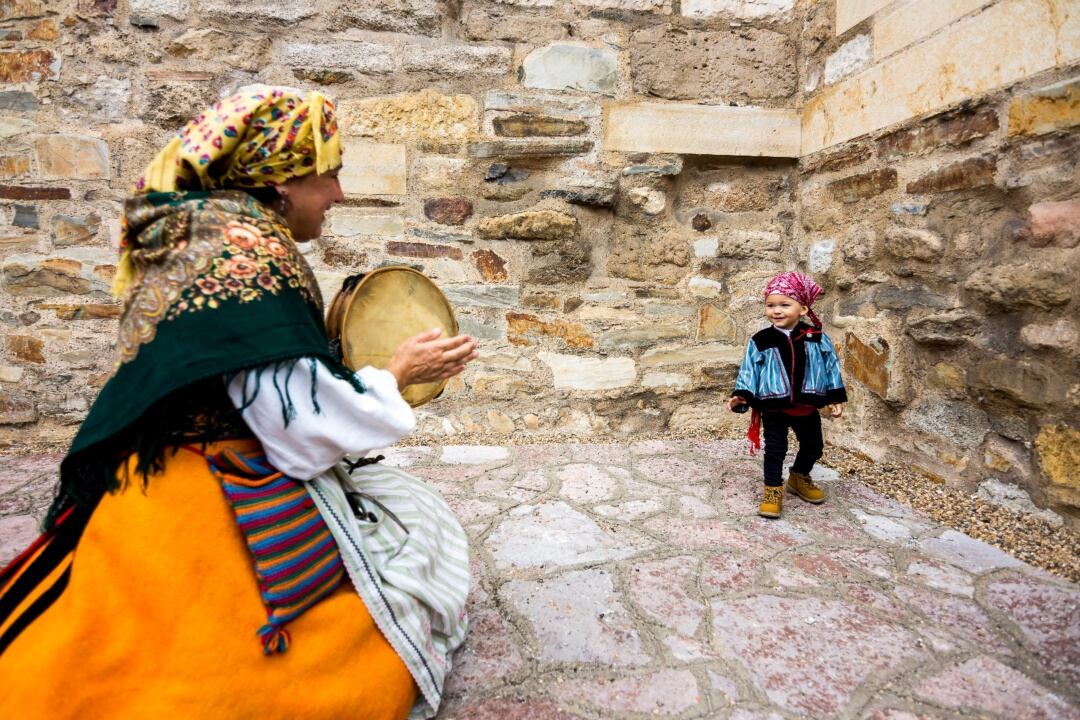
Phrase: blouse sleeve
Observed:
(346, 422)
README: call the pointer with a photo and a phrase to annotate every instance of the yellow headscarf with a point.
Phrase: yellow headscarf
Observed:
(259, 137)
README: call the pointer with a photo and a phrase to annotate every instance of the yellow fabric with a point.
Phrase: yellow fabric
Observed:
(259, 137)
(157, 623)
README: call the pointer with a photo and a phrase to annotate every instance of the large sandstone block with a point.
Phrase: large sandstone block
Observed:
(22, 9)
(748, 65)
(848, 59)
(281, 11)
(411, 17)
(1058, 450)
(850, 13)
(701, 130)
(1045, 284)
(1047, 109)
(1020, 382)
(743, 9)
(426, 115)
(529, 225)
(964, 175)
(972, 56)
(907, 23)
(869, 364)
(571, 67)
(458, 60)
(863, 185)
(71, 156)
(363, 57)
(373, 169)
(149, 12)
(913, 243)
(573, 372)
(28, 66)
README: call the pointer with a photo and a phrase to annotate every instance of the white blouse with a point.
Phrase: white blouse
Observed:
(348, 422)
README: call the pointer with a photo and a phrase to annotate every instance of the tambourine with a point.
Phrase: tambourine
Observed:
(373, 313)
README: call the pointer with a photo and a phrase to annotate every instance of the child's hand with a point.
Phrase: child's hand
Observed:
(735, 402)
(836, 410)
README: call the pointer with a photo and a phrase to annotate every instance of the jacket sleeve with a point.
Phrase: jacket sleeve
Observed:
(746, 383)
(834, 383)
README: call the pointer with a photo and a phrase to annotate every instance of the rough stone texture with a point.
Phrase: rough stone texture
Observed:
(851, 57)
(61, 156)
(414, 17)
(970, 173)
(1044, 285)
(946, 129)
(862, 186)
(533, 225)
(1051, 108)
(426, 115)
(448, 211)
(867, 364)
(584, 373)
(571, 67)
(664, 63)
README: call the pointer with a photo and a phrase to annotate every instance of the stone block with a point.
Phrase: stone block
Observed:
(904, 297)
(17, 409)
(245, 53)
(715, 324)
(705, 287)
(682, 64)
(964, 175)
(23, 348)
(571, 67)
(347, 223)
(531, 102)
(537, 125)
(1057, 448)
(410, 17)
(491, 267)
(820, 257)
(29, 66)
(950, 129)
(868, 363)
(448, 211)
(641, 336)
(701, 130)
(574, 372)
(1055, 223)
(71, 156)
(364, 57)
(941, 71)
(749, 244)
(848, 59)
(43, 277)
(1047, 109)
(913, 243)
(520, 327)
(530, 147)
(958, 422)
(662, 6)
(1061, 335)
(651, 201)
(373, 169)
(862, 186)
(149, 12)
(18, 101)
(458, 60)
(13, 166)
(422, 250)
(1043, 285)
(741, 9)
(595, 195)
(84, 311)
(26, 216)
(904, 25)
(22, 9)
(279, 11)
(850, 156)
(529, 225)
(850, 13)
(68, 231)
(943, 329)
(1020, 381)
(707, 355)
(493, 296)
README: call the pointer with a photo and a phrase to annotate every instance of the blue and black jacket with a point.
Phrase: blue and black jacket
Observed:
(781, 371)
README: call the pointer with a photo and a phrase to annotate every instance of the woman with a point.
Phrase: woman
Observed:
(188, 570)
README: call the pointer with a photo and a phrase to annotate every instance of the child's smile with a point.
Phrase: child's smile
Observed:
(783, 312)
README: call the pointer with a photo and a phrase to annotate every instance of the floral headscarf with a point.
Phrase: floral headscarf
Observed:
(799, 288)
(259, 137)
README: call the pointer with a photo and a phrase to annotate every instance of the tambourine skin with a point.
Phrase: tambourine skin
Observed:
(383, 309)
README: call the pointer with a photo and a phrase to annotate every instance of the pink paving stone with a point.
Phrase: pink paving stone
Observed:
(749, 714)
(720, 449)
(686, 649)
(659, 587)
(1048, 617)
(894, 714)
(941, 576)
(985, 685)
(635, 488)
(694, 507)
(16, 534)
(868, 560)
(14, 505)
(652, 447)
(967, 552)
(725, 686)
(711, 534)
(665, 692)
(630, 510)
(609, 454)
(834, 645)
(532, 457)
(781, 575)
(673, 472)
(489, 655)
(505, 483)
(585, 483)
(470, 510)
(577, 617)
(961, 616)
(857, 493)
(821, 565)
(775, 533)
(834, 527)
(509, 709)
(868, 597)
(453, 476)
(727, 573)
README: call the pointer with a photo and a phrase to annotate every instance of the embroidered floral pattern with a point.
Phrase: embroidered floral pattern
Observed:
(196, 255)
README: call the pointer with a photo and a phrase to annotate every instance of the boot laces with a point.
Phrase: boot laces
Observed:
(773, 494)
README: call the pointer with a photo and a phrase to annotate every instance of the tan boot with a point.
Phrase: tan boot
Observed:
(804, 487)
(772, 504)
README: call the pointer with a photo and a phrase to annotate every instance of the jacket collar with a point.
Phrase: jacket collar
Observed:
(771, 337)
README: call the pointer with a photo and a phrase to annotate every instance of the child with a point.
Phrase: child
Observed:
(790, 370)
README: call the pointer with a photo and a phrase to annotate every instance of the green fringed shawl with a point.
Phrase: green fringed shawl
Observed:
(220, 287)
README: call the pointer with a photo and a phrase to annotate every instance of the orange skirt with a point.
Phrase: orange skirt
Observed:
(159, 619)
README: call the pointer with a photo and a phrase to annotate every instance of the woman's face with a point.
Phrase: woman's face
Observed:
(307, 200)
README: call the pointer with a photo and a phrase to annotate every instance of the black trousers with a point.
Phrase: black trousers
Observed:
(774, 427)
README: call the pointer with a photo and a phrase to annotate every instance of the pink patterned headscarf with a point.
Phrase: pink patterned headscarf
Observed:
(799, 288)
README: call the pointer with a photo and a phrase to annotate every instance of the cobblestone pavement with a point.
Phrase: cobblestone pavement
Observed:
(633, 580)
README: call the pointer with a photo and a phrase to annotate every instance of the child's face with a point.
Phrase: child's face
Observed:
(784, 312)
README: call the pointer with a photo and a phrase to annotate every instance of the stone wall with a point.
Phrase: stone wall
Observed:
(939, 204)
(601, 187)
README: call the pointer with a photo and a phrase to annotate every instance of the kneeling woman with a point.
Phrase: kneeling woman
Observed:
(207, 555)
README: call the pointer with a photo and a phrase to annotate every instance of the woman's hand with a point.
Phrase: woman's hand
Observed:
(836, 410)
(427, 358)
(735, 402)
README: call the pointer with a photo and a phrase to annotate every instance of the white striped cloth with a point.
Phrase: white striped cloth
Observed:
(414, 584)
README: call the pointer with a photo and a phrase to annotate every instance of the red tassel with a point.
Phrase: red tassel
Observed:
(753, 433)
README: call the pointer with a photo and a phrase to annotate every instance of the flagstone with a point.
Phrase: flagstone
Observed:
(986, 685)
(958, 615)
(940, 576)
(967, 552)
(659, 588)
(664, 693)
(586, 483)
